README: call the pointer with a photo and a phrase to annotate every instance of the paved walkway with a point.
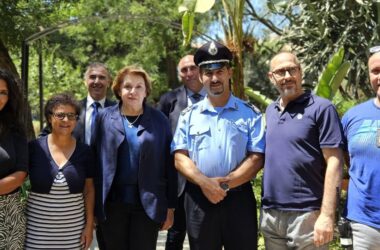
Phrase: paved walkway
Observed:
(162, 238)
(160, 242)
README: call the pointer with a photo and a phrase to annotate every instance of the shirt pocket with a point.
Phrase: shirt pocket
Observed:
(200, 137)
(238, 130)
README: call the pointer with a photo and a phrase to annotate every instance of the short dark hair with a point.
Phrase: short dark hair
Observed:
(95, 65)
(60, 99)
(11, 114)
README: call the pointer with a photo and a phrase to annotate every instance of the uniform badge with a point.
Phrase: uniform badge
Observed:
(253, 107)
(187, 109)
(212, 50)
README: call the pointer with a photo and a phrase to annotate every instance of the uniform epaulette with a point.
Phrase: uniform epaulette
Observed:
(253, 107)
(189, 108)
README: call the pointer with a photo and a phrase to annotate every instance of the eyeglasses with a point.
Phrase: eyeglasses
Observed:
(282, 72)
(61, 116)
(374, 49)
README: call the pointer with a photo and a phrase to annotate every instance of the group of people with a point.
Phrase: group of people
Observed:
(186, 165)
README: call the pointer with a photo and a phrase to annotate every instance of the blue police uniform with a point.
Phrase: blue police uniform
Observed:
(218, 139)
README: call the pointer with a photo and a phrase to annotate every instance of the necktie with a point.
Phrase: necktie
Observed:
(95, 106)
(196, 97)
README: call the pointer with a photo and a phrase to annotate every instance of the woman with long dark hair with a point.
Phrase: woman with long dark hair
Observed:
(13, 163)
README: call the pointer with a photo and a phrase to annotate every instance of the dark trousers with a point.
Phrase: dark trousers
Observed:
(127, 227)
(231, 223)
(177, 233)
(99, 238)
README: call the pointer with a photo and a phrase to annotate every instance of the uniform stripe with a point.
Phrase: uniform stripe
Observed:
(55, 220)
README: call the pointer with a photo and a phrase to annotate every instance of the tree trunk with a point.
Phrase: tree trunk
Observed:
(238, 77)
(7, 63)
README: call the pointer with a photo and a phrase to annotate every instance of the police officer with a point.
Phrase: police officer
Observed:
(218, 146)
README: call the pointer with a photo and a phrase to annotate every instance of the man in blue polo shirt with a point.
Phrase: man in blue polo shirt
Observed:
(218, 146)
(303, 163)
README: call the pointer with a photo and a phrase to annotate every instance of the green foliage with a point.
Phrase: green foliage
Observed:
(318, 28)
(257, 67)
(22, 18)
(187, 26)
(190, 7)
(333, 75)
(144, 33)
(257, 97)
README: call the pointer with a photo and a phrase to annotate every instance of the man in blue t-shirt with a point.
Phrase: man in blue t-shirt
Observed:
(361, 126)
(303, 163)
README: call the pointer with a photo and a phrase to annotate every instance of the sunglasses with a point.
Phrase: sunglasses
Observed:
(61, 116)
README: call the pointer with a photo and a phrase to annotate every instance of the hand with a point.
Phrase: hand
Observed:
(323, 230)
(86, 237)
(212, 190)
(168, 223)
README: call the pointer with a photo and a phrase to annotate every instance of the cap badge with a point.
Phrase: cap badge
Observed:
(212, 50)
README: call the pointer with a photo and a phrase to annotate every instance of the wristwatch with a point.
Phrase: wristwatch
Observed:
(225, 186)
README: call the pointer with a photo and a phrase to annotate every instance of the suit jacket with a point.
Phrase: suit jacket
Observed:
(171, 104)
(157, 177)
(79, 131)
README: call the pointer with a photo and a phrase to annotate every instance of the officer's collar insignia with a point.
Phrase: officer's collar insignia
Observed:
(212, 50)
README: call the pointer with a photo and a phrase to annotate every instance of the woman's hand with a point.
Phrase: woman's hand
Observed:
(168, 223)
(86, 237)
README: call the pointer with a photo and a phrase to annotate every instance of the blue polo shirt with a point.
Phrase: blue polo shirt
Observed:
(294, 164)
(218, 139)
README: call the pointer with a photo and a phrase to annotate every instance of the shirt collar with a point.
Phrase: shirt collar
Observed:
(231, 104)
(202, 92)
(89, 101)
(301, 99)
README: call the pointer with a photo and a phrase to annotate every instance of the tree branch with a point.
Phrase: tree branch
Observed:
(262, 20)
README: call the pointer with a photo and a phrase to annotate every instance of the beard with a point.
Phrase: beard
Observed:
(216, 92)
(288, 92)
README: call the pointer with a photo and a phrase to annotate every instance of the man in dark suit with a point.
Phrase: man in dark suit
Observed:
(97, 79)
(171, 104)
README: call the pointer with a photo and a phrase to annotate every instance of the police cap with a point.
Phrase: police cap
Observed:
(212, 55)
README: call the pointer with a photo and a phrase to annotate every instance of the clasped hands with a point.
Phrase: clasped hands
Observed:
(212, 190)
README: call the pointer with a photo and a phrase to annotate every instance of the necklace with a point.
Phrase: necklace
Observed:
(130, 124)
